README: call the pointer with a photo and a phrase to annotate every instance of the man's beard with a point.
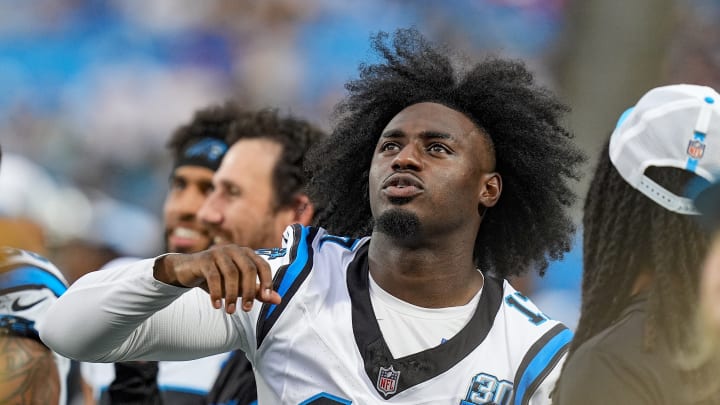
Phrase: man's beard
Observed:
(399, 224)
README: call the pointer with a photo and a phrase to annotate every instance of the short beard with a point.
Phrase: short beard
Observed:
(398, 224)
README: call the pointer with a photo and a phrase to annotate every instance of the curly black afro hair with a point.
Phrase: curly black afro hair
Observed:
(535, 155)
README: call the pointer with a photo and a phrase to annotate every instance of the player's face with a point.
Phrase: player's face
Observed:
(433, 161)
(241, 208)
(189, 187)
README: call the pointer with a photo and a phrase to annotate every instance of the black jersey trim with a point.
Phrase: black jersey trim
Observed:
(539, 361)
(288, 278)
(427, 364)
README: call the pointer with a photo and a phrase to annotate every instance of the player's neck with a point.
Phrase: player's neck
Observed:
(430, 276)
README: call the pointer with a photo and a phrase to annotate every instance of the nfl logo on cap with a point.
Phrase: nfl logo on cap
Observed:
(387, 380)
(695, 149)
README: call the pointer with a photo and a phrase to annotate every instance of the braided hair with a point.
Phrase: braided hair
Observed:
(535, 154)
(626, 234)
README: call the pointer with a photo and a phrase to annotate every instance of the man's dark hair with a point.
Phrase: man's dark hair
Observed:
(230, 123)
(210, 122)
(626, 233)
(296, 136)
(535, 155)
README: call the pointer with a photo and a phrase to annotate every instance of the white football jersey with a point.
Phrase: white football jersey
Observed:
(29, 284)
(323, 345)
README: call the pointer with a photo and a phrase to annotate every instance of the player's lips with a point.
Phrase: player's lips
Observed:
(402, 185)
(184, 237)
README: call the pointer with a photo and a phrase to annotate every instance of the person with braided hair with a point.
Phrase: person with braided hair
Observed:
(443, 182)
(642, 252)
(708, 203)
(701, 357)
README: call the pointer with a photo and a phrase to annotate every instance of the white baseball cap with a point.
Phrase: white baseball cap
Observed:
(670, 126)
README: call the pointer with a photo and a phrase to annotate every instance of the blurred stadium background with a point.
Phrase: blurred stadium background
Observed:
(92, 89)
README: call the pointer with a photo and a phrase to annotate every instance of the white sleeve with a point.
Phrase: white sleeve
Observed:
(124, 313)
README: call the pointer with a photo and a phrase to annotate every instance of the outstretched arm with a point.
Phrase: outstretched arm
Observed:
(129, 314)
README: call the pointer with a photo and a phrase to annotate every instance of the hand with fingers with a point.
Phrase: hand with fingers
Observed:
(226, 271)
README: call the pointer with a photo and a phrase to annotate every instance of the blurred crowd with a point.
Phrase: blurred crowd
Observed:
(91, 89)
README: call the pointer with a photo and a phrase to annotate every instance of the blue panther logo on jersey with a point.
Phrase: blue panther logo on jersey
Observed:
(487, 389)
(272, 253)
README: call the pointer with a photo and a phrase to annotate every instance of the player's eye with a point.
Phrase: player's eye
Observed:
(233, 191)
(389, 146)
(438, 148)
(177, 184)
(206, 189)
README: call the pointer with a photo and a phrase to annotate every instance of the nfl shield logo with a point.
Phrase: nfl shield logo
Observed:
(695, 149)
(387, 380)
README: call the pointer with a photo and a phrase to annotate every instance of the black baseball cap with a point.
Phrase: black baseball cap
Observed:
(206, 152)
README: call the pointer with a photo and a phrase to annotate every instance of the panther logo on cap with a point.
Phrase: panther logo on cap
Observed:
(211, 149)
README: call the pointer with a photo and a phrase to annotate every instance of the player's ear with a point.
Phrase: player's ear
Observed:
(490, 190)
(304, 210)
